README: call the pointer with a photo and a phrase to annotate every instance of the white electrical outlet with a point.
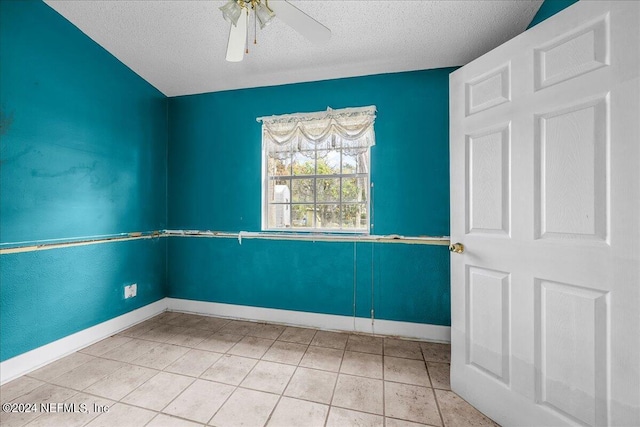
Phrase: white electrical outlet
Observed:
(130, 291)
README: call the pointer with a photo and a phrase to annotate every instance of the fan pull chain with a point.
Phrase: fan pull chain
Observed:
(246, 40)
(255, 27)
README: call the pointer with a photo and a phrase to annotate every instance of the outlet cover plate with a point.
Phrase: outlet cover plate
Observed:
(130, 291)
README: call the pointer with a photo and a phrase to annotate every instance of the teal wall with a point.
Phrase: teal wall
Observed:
(214, 184)
(47, 295)
(548, 9)
(82, 153)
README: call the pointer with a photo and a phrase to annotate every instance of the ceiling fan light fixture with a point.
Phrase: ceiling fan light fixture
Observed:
(264, 14)
(237, 45)
(231, 12)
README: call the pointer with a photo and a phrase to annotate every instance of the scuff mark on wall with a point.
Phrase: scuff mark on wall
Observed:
(71, 171)
(6, 120)
(14, 157)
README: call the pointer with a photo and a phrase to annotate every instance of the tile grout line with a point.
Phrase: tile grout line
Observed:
(384, 388)
(243, 378)
(335, 385)
(222, 405)
(193, 379)
(192, 382)
(435, 397)
(211, 332)
(281, 395)
(120, 400)
(235, 387)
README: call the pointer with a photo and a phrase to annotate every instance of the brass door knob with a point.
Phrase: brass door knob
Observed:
(456, 247)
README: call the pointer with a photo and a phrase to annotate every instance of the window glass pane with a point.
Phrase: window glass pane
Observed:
(328, 216)
(316, 183)
(279, 191)
(354, 190)
(354, 163)
(354, 216)
(302, 190)
(328, 162)
(304, 163)
(328, 190)
(302, 216)
(279, 166)
(279, 216)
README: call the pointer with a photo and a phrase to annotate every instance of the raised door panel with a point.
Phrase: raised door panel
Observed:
(571, 350)
(571, 172)
(573, 54)
(488, 182)
(487, 317)
(488, 90)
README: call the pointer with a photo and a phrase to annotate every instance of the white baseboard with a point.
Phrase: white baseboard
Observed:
(34, 359)
(314, 320)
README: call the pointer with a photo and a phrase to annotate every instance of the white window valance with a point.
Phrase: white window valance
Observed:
(348, 129)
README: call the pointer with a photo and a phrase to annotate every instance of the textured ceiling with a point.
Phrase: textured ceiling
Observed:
(179, 46)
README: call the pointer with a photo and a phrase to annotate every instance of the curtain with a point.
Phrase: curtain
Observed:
(348, 129)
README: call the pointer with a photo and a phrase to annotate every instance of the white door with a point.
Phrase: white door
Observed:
(545, 198)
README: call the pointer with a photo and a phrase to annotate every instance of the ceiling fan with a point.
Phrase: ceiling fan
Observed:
(237, 13)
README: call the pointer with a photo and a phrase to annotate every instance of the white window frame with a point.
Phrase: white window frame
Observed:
(364, 151)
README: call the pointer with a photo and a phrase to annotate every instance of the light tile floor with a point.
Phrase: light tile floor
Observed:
(185, 370)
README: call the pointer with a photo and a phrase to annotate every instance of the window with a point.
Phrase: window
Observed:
(316, 170)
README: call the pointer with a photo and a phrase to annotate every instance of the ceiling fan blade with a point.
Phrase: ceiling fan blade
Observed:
(237, 39)
(300, 21)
